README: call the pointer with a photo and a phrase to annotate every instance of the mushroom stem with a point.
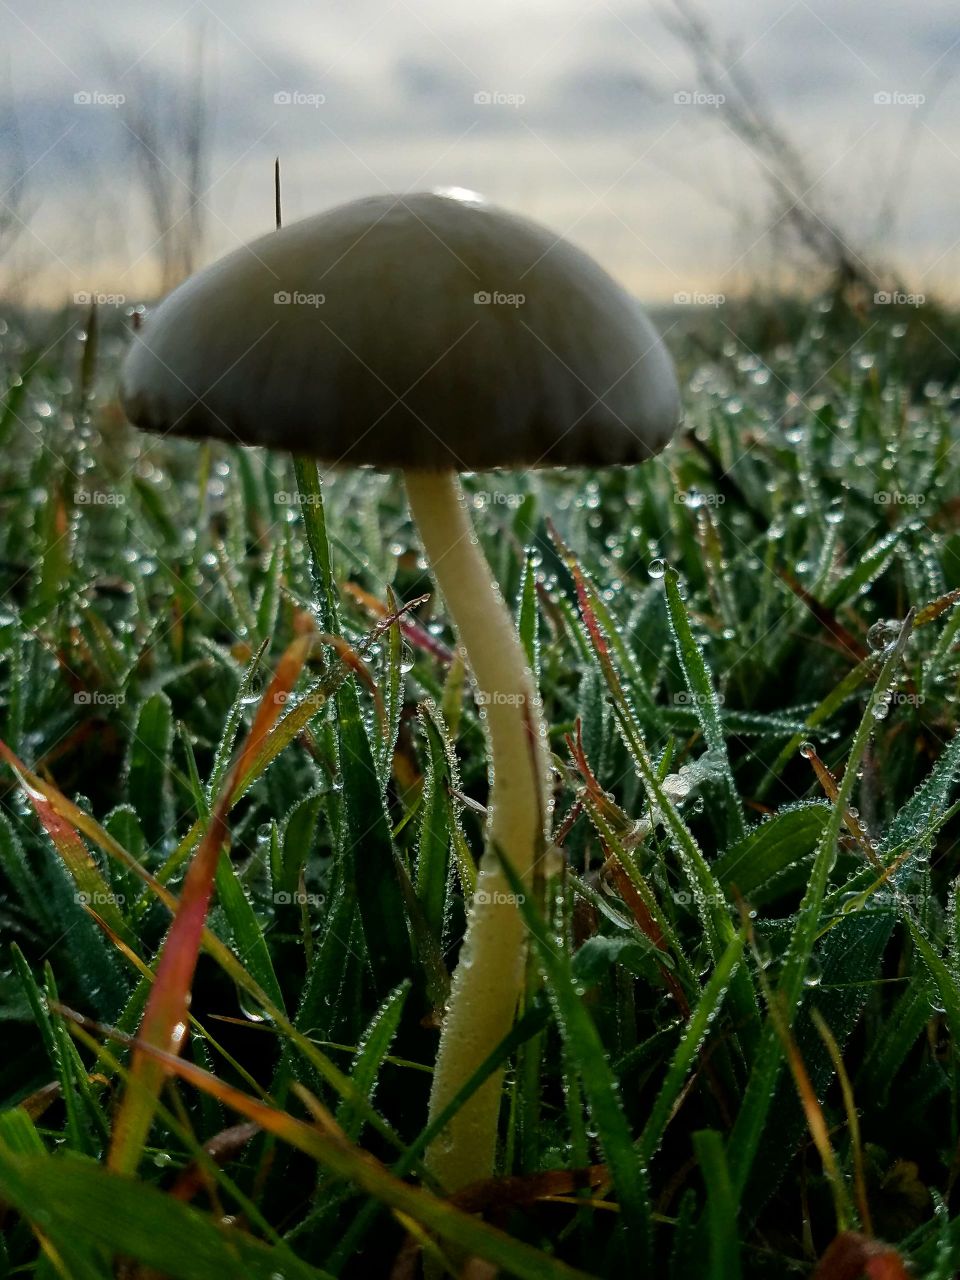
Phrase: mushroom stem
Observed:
(489, 976)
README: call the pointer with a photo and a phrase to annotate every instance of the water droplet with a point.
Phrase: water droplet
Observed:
(883, 633)
(657, 568)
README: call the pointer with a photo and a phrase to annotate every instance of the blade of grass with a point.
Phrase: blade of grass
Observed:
(758, 1097)
(627, 1171)
(164, 1023)
(724, 1247)
(700, 689)
(326, 1143)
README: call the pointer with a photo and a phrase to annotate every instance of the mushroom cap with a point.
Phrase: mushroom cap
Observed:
(426, 331)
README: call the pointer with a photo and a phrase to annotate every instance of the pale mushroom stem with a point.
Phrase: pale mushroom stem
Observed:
(488, 978)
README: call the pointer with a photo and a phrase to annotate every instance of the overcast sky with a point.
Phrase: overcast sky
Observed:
(582, 129)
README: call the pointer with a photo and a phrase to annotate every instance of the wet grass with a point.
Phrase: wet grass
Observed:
(743, 1003)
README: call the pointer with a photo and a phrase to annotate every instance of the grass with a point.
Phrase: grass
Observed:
(737, 1053)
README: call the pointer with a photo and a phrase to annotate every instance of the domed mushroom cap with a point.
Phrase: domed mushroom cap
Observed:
(428, 331)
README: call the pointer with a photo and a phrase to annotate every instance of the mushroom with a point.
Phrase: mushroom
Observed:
(435, 334)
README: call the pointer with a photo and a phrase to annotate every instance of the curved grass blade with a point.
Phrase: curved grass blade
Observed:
(691, 1041)
(326, 1143)
(747, 1130)
(700, 689)
(92, 890)
(164, 1023)
(627, 1170)
(73, 1202)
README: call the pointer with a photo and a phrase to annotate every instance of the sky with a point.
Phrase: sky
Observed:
(589, 116)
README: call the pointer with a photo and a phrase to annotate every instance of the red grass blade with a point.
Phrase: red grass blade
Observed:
(164, 1023)
(93, 892)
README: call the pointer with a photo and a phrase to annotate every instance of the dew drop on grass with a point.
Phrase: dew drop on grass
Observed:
(657, 568)
(883, 633)
(250, 1010)
(807, 750)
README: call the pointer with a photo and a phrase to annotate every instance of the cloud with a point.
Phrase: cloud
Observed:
(566, 113)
